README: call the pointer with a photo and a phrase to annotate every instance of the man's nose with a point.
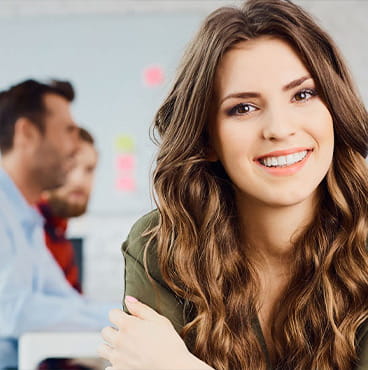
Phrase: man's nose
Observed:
(76, 177)
(278, 125)
(75, 142)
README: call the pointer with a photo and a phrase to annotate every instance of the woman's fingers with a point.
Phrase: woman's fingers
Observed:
(140, 310)
(119, 318)
(143, 340)
(105, 351)
(109, 334)
(137, 309)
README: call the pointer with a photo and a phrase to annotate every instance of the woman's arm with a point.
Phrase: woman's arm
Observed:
(145, 340)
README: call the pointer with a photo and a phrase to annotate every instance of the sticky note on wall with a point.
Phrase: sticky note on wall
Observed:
(125, 163)
(126, 184)
(124, 144)
(153, 76)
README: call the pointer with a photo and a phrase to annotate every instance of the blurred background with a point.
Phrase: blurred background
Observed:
(121, 57)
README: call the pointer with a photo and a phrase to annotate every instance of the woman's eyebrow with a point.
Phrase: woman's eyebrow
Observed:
(251, 94)
(243, 95)
(295, 83)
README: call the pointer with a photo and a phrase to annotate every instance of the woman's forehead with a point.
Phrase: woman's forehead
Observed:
(257, 63)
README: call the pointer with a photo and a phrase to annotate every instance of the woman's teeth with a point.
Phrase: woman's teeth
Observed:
(284, 160)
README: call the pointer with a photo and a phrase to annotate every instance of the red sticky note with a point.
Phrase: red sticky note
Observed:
(125, 162)
(153, 76)
(126, 183)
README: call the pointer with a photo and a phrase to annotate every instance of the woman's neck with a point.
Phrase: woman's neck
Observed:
(270, 231)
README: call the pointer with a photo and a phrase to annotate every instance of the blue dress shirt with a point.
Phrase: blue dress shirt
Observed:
(34, 294)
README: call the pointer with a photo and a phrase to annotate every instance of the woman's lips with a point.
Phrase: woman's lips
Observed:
(278, 153)
(279, 160)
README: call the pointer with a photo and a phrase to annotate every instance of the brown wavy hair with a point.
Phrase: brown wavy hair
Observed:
(198, 236)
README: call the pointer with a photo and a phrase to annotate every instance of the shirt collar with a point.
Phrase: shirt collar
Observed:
(50, 219)
(26, 213)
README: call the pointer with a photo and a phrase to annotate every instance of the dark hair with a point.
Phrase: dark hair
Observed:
(86, 136)
(26, 100)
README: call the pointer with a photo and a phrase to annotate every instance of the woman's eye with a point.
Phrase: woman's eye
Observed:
(241, 109)
(304, 95)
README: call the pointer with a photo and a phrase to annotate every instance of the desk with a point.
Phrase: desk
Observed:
(36, 347)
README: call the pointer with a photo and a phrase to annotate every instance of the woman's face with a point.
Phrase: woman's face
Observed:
(271, 131)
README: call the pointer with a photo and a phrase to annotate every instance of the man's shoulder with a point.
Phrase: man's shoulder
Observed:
(11, 229)
(8, 212)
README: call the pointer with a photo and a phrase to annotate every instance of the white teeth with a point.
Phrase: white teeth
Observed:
(281, 161)
(290, 158)
(284, 160)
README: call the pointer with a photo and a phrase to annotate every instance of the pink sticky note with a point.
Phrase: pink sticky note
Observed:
(153, 76)
(126, 183)
(125, 162)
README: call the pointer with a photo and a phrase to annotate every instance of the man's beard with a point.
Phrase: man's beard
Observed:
(60, 208)
(47, 168)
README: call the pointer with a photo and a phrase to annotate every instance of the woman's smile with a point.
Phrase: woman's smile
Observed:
(284, 162)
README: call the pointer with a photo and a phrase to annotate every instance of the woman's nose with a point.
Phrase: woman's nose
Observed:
(278, 125)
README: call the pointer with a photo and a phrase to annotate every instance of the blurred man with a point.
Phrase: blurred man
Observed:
(38, 142)
(70, 200)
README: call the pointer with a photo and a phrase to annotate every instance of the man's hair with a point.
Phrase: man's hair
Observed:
(26, 100)
(86, 136)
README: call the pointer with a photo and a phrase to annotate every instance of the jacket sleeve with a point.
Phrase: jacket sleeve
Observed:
(362, 341)
(148, 286)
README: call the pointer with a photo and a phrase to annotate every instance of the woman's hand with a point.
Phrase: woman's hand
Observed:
(144, 340)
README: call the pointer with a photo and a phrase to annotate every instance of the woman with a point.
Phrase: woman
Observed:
(257, 252)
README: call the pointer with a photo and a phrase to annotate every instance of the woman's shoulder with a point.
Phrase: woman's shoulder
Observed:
(139, 234)
(135, 247)
(143, 224)
(141, 256)
(362, 343)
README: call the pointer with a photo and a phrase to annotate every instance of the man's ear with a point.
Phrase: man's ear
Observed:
(26, 132)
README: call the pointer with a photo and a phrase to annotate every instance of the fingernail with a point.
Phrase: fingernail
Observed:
(131, 299)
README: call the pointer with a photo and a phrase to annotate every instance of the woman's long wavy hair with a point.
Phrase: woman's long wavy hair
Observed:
(198, 236)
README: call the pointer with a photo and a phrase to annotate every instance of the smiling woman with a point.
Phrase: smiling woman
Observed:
(272, 132)
(257, 253)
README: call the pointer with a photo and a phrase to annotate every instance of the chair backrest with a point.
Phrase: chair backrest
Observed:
(78, 250)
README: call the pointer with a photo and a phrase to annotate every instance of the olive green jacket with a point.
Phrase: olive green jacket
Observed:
(155, 293)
